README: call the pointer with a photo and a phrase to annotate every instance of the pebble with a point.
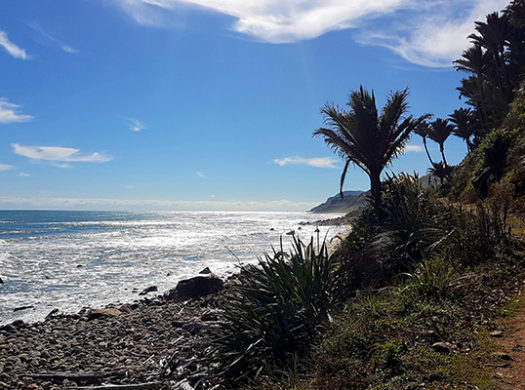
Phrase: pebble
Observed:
(501, 356)
(442, 347)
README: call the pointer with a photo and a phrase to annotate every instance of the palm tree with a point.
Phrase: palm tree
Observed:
(492, 35)
(440, 130)
(464, 125)
(474, 60)
(363, 137)
(441, 171)
(423, 130)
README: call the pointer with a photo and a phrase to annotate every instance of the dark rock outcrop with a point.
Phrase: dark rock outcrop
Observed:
(195, 287)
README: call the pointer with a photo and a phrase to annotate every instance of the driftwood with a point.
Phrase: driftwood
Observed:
(136, 386)
(74, 376)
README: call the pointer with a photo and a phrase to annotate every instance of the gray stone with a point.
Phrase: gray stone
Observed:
(183, 385)
(193, 327)
(501, 356)
(195, 287)
(148, 290)
(205, 271)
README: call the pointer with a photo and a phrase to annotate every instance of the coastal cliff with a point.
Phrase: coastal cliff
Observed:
(351, 200)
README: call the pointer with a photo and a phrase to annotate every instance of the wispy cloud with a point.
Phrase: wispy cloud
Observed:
(200, 174)
(274, 21)
(134, 124)
(24, 174)
(9, 114)
(62, 165)
(58, 153)
(426, 32)
(11, 48)
(50, 39)
(436, 35)
(5, 167)
(318, 162)
(413, 148)
(129, 187)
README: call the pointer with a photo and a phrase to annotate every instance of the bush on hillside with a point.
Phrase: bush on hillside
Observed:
(492, 152)
(278, 307)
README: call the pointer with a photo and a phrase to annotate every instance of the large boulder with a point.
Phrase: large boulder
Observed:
(196, 287)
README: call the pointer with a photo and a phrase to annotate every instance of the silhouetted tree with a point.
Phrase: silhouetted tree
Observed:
(440, 130)
(423, 130)
(463, 125)
(366, 138)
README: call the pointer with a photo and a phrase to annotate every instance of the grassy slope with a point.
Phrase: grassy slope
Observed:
(383, 340)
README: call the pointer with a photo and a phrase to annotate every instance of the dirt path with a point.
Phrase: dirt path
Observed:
(510, 374)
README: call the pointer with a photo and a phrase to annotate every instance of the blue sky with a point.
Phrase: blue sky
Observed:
(208, 104)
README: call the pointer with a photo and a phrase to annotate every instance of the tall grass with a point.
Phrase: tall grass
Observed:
(275, 314)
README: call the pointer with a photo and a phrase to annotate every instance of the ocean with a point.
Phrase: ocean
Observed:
(73, 259)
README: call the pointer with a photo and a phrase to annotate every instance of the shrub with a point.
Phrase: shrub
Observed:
(492, 152)
(278, 307)
(432, 279)
(413, 222)
(478, 235)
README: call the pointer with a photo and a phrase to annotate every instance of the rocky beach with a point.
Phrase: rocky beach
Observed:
(153, 343)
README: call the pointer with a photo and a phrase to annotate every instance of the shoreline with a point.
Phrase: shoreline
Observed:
(151, 341)
(120, 344)
(96, 261)
(32, 303)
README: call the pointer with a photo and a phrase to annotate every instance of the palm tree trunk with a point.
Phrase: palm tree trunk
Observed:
(481, 109)
(426, 150)
(470, 146)
(442, 148)
(375, 189)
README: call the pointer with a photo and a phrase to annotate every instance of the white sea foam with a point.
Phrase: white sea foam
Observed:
(68, 264)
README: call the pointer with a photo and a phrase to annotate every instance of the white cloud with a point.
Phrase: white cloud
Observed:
(51, 39)
(437, 36)
(8, 113)
(58, 153)
(11, 48)
(134, 124)
(62, 165)
(200, 174)
(426, 32)
(24, 174)
(149, 204)
(413, 148)
(129, 187)
(5, 167)
(318, 162)
(274, 21)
